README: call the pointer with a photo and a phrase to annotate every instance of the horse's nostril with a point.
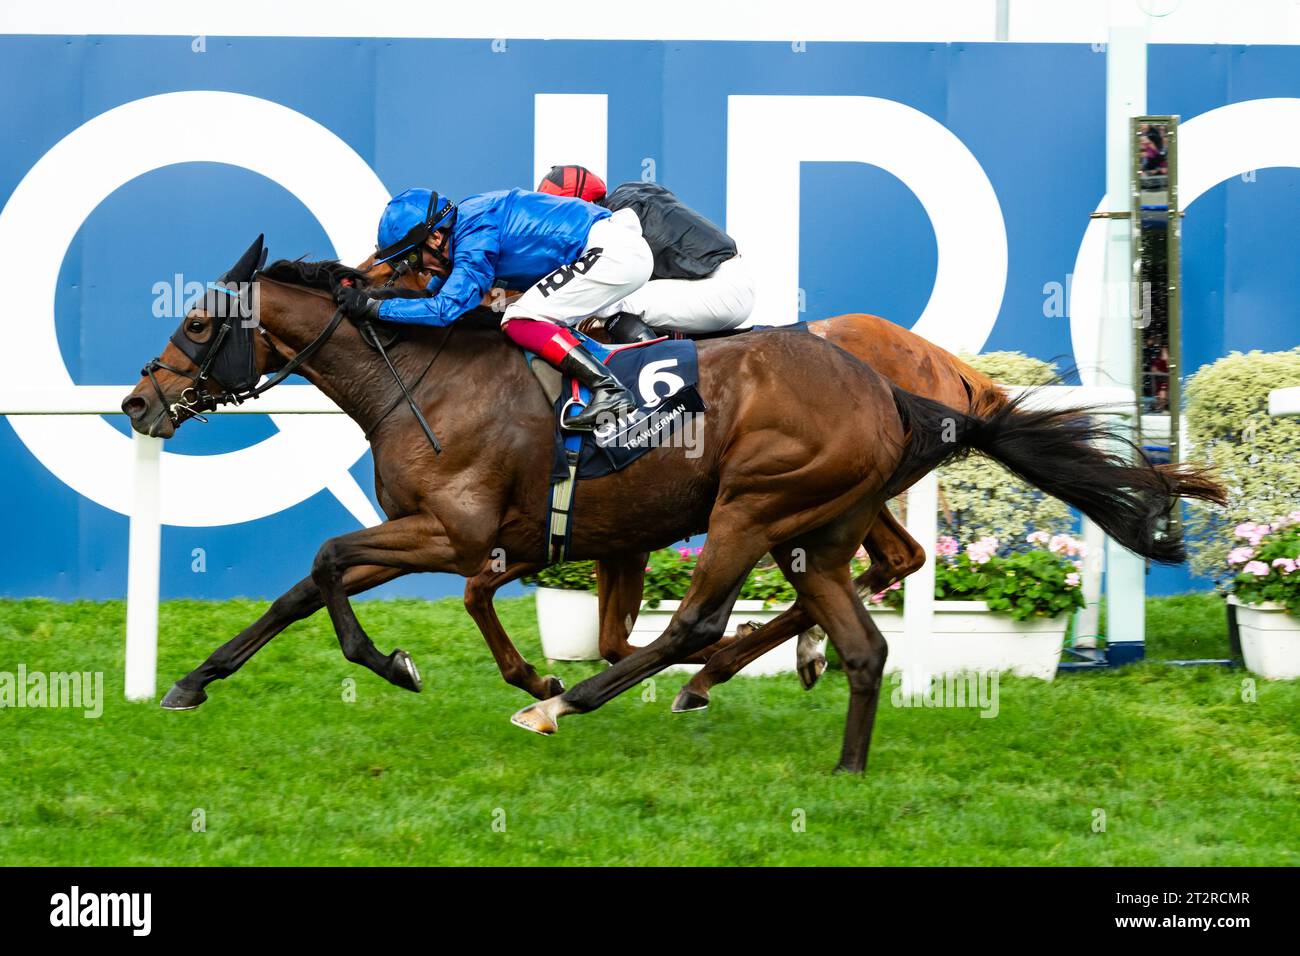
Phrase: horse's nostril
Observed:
(135, 407)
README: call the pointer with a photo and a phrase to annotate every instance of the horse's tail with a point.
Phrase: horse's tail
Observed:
(1062, 454)
(986, 397)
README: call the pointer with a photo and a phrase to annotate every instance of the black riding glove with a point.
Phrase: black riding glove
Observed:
(357, 305)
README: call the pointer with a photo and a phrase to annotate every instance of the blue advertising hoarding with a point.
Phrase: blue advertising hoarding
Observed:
(461, 116)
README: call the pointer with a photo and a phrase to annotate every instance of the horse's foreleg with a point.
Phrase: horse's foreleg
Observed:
(412, 543)
(619, 584)
(299, 602)
(516, 671)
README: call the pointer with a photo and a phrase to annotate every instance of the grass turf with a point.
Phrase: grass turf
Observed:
(283, 770)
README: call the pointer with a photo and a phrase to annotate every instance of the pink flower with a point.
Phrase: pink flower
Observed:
(877, 597)
(1286, 564)
(895, 586)
(1240, 555)
(982, 550)
(1257, 568)
(1036, 537)
(1065, 544)
(1072, 579)
(1245, 529)
(1294, 517)
(946, 546)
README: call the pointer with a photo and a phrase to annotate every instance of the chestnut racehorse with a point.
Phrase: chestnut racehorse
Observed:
(803, 447)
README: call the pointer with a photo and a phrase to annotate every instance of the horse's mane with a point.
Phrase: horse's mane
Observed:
(329, 273)
(325, 275)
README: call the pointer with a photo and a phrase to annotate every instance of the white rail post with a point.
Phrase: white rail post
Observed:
(1087, 623)
(143, 568)
(1126, 89)
(918, 595)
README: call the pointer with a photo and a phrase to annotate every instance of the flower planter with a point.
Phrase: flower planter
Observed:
(967, 636)
(651, 622)
(1270, 639)
(570, 624)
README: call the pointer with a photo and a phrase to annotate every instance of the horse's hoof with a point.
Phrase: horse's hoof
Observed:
(404, 672)
(810, 671)
(687, 700)
(535, 718)
(554, 687)
(183, 698)
(810, 659)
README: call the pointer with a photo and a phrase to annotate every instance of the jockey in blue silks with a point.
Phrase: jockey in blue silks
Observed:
(570, 258)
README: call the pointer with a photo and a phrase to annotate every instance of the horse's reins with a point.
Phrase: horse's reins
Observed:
(203, 400)
(372, 338)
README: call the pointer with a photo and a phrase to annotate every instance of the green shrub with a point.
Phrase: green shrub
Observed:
(1257, 456)
(978, 498)
(566, 576)
(1038, 579)
(668, 575)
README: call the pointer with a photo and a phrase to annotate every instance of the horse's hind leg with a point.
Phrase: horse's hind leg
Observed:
(831, 600)
(894, 555)
(516, 671)
(299, 602)
(732, 549)
(740, 653)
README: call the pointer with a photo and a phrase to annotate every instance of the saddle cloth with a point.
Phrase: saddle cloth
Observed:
(662, 376)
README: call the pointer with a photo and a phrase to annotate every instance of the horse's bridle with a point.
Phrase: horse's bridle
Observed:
(197, 398)
(231, 345)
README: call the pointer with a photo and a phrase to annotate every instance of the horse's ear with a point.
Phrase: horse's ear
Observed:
(252, 260)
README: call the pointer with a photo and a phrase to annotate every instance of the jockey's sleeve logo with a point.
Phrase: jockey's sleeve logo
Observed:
(561, 276)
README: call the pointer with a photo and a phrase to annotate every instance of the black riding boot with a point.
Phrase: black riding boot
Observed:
(627, 327)
(609, 397)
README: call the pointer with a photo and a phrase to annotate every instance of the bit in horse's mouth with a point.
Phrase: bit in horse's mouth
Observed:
(158, 420)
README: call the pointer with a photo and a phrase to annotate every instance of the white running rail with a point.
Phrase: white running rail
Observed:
(145, 539)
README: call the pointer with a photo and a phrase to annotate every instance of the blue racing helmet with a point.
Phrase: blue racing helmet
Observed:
(408, 220)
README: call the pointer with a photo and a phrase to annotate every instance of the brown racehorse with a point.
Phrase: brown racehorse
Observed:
(804, 446)
(914, 364)
(909, 361)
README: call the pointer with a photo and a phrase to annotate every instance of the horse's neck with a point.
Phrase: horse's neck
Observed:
(470, 361)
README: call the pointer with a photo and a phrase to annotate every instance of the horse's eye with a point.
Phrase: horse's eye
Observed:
(196, 326)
